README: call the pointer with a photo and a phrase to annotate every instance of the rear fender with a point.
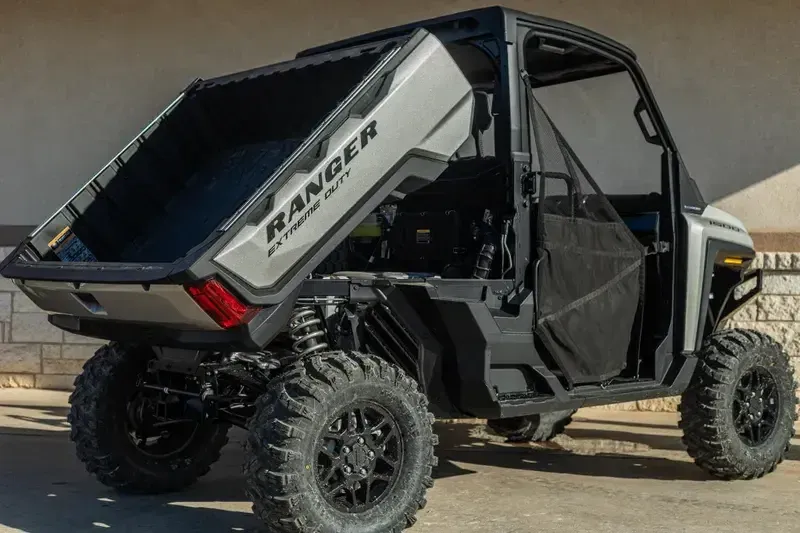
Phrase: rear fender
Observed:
(406, 329)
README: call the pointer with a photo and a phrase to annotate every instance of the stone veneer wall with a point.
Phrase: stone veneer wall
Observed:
(32, 352)
(776, 312)
(35, 354)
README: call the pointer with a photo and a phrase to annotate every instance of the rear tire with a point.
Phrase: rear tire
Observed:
(738, 413)
(100, 417)
(534, 428)
(340, 442)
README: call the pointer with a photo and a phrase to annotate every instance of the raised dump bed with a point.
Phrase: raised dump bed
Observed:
(199, 161)
(251, 179)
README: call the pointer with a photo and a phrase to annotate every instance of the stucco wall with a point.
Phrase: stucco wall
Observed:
(79, 78)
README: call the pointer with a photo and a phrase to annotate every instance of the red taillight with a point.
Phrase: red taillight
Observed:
(220, 304)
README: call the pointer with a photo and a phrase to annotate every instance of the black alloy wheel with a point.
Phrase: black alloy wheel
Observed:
(756, 406)
(360, 456)
(738, 413)
(340, 441)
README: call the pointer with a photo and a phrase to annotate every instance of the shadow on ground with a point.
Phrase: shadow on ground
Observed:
(44, 489)
(582, 452)
(49, 417)
(656, 439)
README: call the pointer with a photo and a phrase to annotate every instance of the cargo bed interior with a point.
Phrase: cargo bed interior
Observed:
(207, 157)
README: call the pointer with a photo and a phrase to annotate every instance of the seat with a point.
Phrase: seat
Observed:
(482, 122)
(474, 178)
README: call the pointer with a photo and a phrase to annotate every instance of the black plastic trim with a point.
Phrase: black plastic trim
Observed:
(147, 333)
(691, 199)
(730, 304)
(716, 250)
(378, 46)
(88, 272)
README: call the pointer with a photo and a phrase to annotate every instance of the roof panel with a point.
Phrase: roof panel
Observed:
(484, 20)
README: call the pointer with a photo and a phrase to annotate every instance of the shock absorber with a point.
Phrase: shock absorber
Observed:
(483, 265)
(485, 233)
(306, 331)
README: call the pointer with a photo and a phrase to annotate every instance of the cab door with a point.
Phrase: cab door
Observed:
(589, 268)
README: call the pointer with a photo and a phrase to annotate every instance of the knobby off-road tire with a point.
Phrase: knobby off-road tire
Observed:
(100, 423)
(738, 414)
(534, 428)
(322, 440)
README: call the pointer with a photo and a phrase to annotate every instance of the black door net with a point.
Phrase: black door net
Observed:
(590, 270)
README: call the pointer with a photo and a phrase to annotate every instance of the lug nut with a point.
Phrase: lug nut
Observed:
(363, 472)
(347, 469)
(361, 440)
(345, 450)
(371, 454)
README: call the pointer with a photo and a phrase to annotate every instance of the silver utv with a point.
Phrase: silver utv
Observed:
(332, 251)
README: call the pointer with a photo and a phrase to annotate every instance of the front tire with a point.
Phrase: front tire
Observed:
(738, 413)
(340, 442)
(104, 408)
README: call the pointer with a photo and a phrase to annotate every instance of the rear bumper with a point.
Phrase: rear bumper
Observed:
(253, 336)
(136, 303)
(163, 305)
(154, 334)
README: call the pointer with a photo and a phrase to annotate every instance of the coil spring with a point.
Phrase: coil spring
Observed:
(483, 265)
(305, 329)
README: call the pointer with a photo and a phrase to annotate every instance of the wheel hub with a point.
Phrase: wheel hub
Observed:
(755, 406)
(153, 427)
(359, 457)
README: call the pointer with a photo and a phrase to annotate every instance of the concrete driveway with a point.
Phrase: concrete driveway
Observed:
(614, 472)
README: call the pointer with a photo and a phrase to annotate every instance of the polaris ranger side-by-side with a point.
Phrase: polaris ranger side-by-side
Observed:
(331, 251)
